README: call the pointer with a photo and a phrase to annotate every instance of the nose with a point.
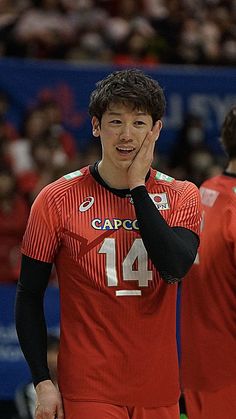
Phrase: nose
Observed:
(126, 133)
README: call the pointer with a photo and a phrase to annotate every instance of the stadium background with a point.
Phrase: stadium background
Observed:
(199, 87)
(206, 92)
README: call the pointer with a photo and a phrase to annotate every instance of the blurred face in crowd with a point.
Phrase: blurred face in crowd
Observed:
(52, 113)
(7, 185)
(35, 124)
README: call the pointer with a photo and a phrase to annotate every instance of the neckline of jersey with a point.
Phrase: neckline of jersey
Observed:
(230, 174)
(123, 193)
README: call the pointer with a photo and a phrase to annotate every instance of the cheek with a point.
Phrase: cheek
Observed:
(108, 135)
(111, 131)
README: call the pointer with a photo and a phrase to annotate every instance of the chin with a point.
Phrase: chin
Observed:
(125, 164)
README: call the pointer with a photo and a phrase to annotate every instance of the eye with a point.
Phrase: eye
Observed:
(115, 121)
(139, 123)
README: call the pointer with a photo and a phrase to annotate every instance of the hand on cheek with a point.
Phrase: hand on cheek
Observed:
(141, 164)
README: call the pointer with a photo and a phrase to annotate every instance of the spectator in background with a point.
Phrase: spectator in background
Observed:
(52, 113)
(14, 213)
(192, 32)
(190, 157)
(208, 313)
(25, 399)
(90, 21)
(33, 128)
(50, 162)
(10, 11)
(44, 149)
(8, 132)
(44, 30)
(136, 49)
(8, 129)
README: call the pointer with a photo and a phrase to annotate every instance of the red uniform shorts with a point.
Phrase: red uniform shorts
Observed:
(211, 404)
(94, 410)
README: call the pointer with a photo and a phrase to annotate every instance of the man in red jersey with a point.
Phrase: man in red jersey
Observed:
(119, 233)
(208, 311)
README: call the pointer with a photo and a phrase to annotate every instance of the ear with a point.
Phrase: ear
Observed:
(158, 124)
(96, 126)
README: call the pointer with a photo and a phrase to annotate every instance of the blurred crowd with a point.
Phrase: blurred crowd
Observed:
(41, 150)
(122, 32)
(37, 153)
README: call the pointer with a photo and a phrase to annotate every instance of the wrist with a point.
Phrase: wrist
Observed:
(133, 185)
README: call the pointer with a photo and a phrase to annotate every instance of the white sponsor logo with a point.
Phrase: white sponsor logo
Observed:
(160, 200)
(208, 196)
(114, 224)
(88, 202)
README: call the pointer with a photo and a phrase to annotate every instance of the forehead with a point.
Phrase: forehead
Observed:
(124, 108)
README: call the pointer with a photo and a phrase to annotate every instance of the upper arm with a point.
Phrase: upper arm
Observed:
(42, 236)
(187, 214)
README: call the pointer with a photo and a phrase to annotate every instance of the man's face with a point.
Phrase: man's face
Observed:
(122, 131)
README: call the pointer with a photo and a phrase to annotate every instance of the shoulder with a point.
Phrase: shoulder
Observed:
(179, 187)
(221, 186)
(61, 188)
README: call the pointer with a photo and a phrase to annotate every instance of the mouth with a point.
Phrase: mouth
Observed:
(125, 150)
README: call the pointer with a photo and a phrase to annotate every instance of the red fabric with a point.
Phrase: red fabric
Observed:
(93, 410)
(114, 348)
(209, 293)
(220, 404)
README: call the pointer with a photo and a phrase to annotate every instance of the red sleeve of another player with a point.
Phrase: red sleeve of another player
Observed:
(42, 235)
(229, 227)
(188, 210)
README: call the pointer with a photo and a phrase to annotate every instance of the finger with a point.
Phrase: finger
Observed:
(45, 413)
(60, 412)
(151, 136)
(156, 130)
(37, 413)
(149, 143)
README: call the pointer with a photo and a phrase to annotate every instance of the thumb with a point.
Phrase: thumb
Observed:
(60, 412)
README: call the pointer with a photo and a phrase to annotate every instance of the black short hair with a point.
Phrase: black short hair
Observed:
(228, 133)
(130, 87)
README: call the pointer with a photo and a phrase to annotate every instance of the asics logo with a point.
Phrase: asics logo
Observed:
(88, 202)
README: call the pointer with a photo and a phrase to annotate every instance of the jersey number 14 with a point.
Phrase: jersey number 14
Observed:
(137, 253)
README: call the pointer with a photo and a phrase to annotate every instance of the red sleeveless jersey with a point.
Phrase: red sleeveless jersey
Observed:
(208, 315)
(118, 322)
